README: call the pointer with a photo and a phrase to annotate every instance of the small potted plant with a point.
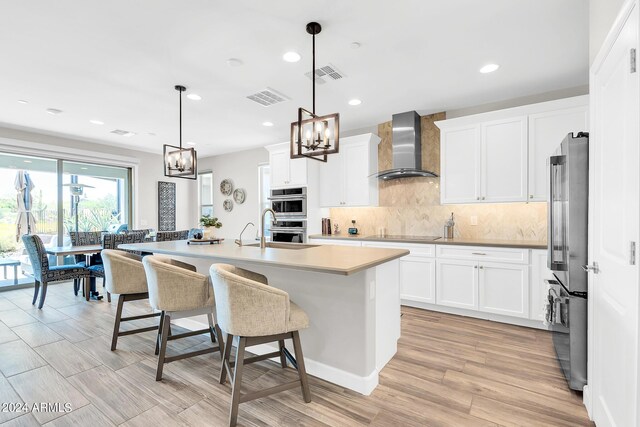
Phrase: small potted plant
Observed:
(208, 224)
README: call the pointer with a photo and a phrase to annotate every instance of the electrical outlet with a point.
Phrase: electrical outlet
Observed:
(474, 220)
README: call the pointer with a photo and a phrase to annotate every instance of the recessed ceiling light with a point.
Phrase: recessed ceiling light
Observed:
(489, 68)
(84, 169)
(27, 161)
(234, 62)
(267, 124)
(191, 143)
(194, 97)
(291, 57)
(53, 111)
(96, 122)
(151, 134)
(355, 45)
(355, 102)
(22, 101)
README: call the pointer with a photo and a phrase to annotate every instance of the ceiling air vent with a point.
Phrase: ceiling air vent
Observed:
(326, 73)
(122, 132)
(268, 97)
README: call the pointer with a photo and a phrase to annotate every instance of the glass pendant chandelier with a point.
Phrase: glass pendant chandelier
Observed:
(180, 162)
(314, 136)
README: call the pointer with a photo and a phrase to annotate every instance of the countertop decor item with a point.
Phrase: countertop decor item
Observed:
(314, 136)
(208, 224)
(239, 195)
(228, 205)
(204, 241)
(166, 206)
(180, 162)
(226, 187)
(449, 228)
(353, 230)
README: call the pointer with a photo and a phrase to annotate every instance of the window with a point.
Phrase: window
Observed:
(264, 187)
(205, 193)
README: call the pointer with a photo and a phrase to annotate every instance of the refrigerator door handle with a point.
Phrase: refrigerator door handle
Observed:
(551, 243)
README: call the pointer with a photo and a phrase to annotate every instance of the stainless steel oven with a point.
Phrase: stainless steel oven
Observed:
(289, 231)
(289, 202)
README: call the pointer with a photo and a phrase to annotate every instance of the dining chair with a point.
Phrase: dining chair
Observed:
(166, 236)
(44, 274)
(84, 238)
(251, 312)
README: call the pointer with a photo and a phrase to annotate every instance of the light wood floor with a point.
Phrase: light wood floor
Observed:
(449, 370)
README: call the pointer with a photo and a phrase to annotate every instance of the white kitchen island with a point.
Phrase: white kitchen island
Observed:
(351, 295)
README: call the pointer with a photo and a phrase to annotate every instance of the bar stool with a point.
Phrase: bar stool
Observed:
(255, 313)
(179, 291)
(125, 276)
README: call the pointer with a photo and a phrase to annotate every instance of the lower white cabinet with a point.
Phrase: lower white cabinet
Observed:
(504, 289)
(457, 283)
(336, 242)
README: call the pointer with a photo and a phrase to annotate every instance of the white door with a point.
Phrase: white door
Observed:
(546, 131)
(460, 165)
(279, 163)
(417, 279)
(457, 283)
(503, 170)
(356, 179)
(331, 181)
(504, 289)
(614, 194)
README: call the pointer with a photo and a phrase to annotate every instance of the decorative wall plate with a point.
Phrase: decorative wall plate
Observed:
(226, 187)
(239, 195)
(228, 205)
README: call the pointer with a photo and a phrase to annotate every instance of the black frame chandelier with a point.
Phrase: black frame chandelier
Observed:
(314, 136)
(180, 162)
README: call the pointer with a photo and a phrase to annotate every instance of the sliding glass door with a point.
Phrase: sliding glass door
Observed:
(50, 197)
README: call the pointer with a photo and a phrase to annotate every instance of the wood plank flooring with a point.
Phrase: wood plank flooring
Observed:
(449, 371)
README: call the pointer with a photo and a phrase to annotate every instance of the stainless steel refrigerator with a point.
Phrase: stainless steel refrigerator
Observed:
(567, 254)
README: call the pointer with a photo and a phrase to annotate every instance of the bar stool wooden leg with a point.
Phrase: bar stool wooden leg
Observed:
(283, 358)
(297, 348)
(163, 345)
(116, 325)
(159, 336)
(237, 381)
(225, 358)
(212, 331)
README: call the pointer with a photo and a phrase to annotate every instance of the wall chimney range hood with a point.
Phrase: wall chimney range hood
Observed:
(406, 148)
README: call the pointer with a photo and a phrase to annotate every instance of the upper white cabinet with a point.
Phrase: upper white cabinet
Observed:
(345, 180)
(501, 156)
(546, 131)
(286, 172)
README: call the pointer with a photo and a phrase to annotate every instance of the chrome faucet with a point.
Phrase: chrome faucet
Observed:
(239, 241)
(263, 241)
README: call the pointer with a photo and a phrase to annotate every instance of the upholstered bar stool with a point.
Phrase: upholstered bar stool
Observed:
(179, 291)
(125, 276)
(255, 313)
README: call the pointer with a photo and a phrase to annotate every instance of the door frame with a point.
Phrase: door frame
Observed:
(623, 15)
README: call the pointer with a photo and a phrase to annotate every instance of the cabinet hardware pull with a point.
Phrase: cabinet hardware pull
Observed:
(482, 197)
(481, 267)
(477, 253)
(477, 198)
(475, 266)
(531, 196)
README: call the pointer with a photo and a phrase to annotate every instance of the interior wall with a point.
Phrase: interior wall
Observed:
(602, 13)
(150, 171)
(242, 168)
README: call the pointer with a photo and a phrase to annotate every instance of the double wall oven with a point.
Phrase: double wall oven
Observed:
(290, 206)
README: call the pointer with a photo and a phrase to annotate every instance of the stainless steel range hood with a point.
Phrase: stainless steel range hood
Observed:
(406, 148)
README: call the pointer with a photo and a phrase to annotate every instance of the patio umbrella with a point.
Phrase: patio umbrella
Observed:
(25, 220)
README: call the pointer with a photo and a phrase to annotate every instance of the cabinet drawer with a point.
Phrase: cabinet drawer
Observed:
(483, 253)
(415, 248)
(335, 242)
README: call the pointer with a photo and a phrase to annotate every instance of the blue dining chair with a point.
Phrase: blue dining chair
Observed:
(83, 238)
(44, 274)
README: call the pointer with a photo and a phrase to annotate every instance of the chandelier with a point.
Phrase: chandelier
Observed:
(180, 162)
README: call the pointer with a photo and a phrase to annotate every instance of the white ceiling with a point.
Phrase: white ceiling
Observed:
(118, 60)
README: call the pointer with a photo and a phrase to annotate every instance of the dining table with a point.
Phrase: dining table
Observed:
(86, 250)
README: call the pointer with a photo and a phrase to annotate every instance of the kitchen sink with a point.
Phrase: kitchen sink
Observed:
(278, 245)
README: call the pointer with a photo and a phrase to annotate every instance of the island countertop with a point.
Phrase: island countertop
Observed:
(330, 259)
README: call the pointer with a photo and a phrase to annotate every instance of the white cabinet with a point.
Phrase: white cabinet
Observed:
(546, 131)
(457, 283)
(286, 172)
(336, 242)
(417, 271)
(539, 272)
(460, 164)
(503, 169)
(501, 156)
(504, 289)
(345, 180)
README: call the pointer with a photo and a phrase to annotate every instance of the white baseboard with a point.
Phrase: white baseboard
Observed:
(362, 385)
(586, 400)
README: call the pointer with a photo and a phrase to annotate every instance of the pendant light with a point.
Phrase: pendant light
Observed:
(314, 136)
(180, 162)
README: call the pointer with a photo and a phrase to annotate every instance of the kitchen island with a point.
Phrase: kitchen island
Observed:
(351, 296)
